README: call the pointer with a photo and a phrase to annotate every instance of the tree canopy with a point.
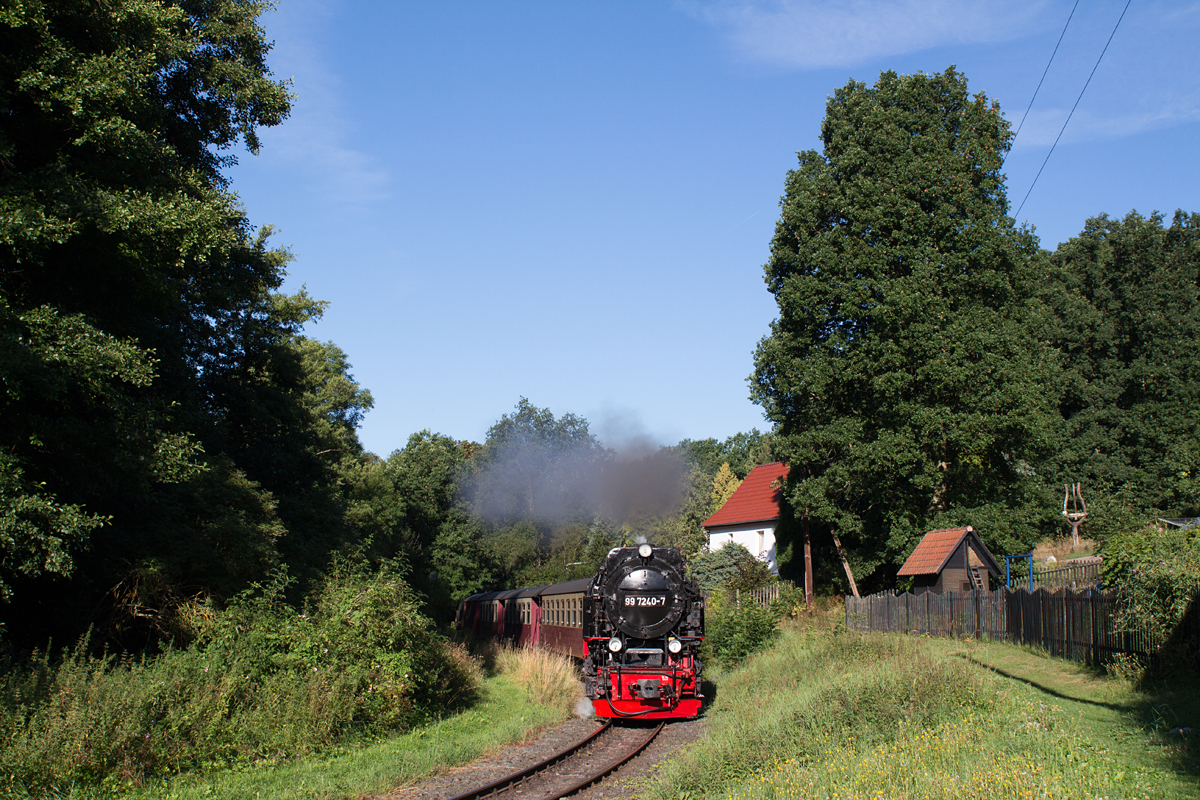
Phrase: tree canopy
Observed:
(166, 430)
(1124, 295)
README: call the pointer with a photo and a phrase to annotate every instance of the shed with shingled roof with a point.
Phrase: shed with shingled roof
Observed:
(750, 515)
(950, 560)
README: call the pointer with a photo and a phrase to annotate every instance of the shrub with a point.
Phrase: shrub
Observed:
(262, 682)
(1156, 571)
(732, 630)
(729, 567)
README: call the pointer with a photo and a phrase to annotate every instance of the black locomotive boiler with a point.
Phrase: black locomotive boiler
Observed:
(643, 624)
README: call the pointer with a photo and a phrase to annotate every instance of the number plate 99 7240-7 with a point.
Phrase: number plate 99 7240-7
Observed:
(645, 601)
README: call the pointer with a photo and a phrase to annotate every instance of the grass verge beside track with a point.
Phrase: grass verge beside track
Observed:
(842, 715)
(505, 715)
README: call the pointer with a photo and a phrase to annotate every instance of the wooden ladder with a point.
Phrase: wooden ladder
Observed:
(977, 580)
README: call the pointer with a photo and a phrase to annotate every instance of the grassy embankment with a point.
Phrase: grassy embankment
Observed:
(842, 715)
(94, 701)
(529, 690)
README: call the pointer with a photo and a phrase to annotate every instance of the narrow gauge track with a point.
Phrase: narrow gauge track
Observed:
(573, 768)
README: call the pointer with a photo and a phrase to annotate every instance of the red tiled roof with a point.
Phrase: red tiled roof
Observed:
(755, 500)
(934, 551)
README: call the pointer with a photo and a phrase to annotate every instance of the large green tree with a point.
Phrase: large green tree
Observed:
(166, 429)
(902, 375)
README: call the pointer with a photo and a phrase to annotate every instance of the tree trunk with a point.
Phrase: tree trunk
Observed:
(808, 567)
(845, 563)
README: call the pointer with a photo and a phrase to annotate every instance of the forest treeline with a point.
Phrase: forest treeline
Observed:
(172, 437)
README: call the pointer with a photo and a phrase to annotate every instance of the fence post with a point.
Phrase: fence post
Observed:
(978, 624)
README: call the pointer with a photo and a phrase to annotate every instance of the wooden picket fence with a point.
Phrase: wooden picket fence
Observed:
(765, 595)
(1076, 625)
(1078, 574)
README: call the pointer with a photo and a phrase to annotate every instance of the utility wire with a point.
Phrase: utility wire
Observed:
(1081, 91)
(1047, 70)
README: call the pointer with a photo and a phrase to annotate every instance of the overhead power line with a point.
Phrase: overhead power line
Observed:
(1081, 91)
(1045, 71)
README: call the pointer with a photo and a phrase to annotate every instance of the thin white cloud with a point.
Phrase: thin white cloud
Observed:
(812, 34)
(315, 137)
(1042, 127)
(1146, 81)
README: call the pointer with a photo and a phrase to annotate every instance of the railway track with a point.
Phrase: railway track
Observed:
(573, 768)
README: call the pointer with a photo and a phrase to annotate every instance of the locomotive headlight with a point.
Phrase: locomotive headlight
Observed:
(645, 550)
(674, 645)
(614, 644)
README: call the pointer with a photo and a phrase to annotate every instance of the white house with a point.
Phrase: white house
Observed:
(750, 514)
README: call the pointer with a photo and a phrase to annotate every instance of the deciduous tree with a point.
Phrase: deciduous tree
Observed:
(1125, 293)
(906, 385)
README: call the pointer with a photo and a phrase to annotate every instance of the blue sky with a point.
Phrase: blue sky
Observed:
(572, 202)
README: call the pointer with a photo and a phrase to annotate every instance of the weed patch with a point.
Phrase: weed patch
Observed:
(264, 683)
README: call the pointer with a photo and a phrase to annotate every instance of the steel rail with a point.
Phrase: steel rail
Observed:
(495, 787)
(612, 765)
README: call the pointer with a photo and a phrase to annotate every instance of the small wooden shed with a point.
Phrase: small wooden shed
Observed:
(950, 560)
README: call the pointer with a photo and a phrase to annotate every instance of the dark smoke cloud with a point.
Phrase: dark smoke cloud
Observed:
(552, 481)
(648, 485)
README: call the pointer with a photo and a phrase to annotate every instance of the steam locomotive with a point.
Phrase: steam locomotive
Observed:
(637, 626)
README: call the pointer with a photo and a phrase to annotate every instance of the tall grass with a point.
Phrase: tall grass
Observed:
(507, 713)
(547, 678)
(263, 683)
